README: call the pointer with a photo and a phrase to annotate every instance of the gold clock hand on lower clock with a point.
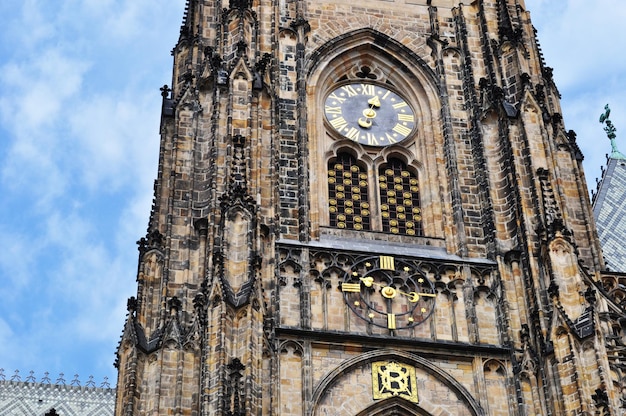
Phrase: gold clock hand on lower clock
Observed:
(368, 281)
(390, 292)
(387, 291)
(415, 296)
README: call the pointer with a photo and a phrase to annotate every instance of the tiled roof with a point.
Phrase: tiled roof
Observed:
(609, 210)
(32, 398)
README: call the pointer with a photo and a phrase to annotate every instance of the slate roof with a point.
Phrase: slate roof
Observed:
(33, 398)
(609, 211)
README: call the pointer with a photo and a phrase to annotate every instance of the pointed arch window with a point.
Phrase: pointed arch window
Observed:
(399, 199)
(348, 193)
(398, 206)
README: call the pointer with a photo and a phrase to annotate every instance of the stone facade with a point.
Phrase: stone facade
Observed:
(434, 254)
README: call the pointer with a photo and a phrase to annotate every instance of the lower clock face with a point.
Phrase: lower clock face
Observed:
(369, 114)
(388, 292)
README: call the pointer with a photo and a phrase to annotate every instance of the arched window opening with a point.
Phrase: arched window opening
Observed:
(347, 194)
(399, 199)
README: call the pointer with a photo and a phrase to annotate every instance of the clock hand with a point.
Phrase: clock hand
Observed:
(368, 281)
(415, 296)
(387, 291)
(374, 102)
(366, 122)
(369, 113)
(390, 292)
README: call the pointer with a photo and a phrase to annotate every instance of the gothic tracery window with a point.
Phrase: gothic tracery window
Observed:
(347, 194)
(399, 199)
(349, 203)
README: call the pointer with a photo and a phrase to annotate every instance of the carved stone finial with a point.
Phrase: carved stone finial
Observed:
(240, 5)
(175, 305)
(152, 240)
(525, 333)
(553, 290)
(131, 304)
(261, 65)
(237, 399)
(590, 296)
(601, 398)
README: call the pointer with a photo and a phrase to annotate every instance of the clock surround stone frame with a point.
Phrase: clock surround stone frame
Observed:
(345, 60)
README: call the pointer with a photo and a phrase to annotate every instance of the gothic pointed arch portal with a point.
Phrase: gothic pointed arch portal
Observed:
(394, 407)
(352, 384)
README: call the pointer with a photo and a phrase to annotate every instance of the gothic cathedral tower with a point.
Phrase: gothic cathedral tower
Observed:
(368, 208)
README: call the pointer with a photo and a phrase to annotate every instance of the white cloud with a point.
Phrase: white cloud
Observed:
(17, 260)
(36, 89)
(113, 140)
(80, 108)
(33, 25)
(37, 96)
(583, 43)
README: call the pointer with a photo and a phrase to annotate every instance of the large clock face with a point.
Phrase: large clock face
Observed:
(369, 114)
(388, 292)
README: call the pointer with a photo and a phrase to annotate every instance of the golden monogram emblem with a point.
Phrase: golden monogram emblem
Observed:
(393, 379)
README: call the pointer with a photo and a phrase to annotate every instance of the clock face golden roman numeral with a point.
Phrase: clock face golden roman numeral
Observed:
(372, 140)
(339, 99)
(339, 123)
(367, 89)
(353, 134)
(332, 110)
(387, 263)
(391, 321)
(349, 90)
(406, 117)
(403, 130)
(390, 138)
(400, 105)
(351, 287)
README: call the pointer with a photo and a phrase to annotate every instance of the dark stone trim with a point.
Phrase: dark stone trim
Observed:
(378, 341)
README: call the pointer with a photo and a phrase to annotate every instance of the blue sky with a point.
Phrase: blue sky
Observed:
(79, 117)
